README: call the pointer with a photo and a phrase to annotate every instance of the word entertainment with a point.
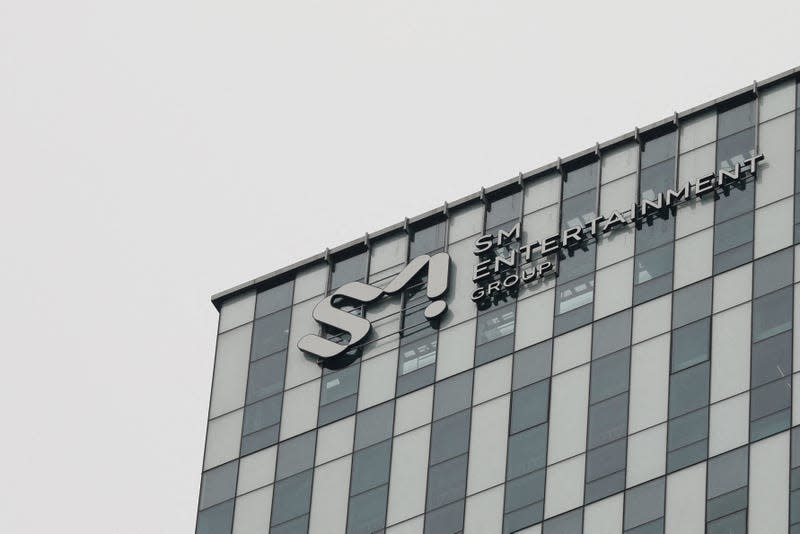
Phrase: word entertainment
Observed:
(490, 269)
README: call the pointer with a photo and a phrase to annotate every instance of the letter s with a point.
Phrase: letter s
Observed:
(329, 315)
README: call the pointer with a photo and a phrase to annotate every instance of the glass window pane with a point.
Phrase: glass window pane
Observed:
(274, 298)
(270, 334)
(771, 359)
(731, 524)
(427, 240)
(371, 467)
(374, 425)
(691, 303)
(687, 429)
(609, 376)
(727, 472)
(654, 232)
(216, 520)
(605, 460)
(688, 390)
(654, 264)
(575, 294)
(524, 490)
(452, 395)
(645, 503)
(608, 420)
(348, 270)
(579, 210)
(611, 334)
(733, 233)
(527, 451)
(218, 484)
(449, 518)
(367, 512)
(504, 209)
(771, 398)
(657, 179)
(266, 377)
(773, 272)
(734, 201)
(447, 482)
(570, 523)
(291, 497)
(735, 149)
(736, 119)
(529, 406)
(449, 437)
(575, 264)
(262, 414)
(659, 149)
(691, 344)
(580, 180)
(532, 364)
(495, 323)
(296, 454)
(772, 314)
(339, 384)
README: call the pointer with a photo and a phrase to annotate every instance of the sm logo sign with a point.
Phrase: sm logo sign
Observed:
(329, 311)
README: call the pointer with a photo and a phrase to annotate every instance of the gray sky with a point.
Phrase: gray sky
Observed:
(155, 152)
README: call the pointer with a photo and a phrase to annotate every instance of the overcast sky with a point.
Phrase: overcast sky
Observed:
(155, 152)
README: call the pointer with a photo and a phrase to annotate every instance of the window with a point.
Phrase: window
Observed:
(726, 493)
(644, 510)
(733, 215)
(349, 269)
(274, 299)
(656, 233)
(427, 240)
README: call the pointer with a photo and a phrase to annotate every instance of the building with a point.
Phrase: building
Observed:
(602, 345)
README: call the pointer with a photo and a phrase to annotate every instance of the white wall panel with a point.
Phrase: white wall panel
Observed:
(409, 475)
(237, 310)
(733, 287)
(569, 397)
(647, 458)
(774, 227)
(335, 440)
(300, 407)
(768, 510)
(729, 424)
(413, 410)
(455, 351)
(686, 501)
(730, 352)
(694, 258)
(484, 512)
(378, 378)
(492, 380)
(564, 490)
(572, 349)
(230, 370)
(534, 319)
(652, 318)
(487, 446)
(649, 389)
(613, 289)
(252, 512)
(604, 517)
(223, 438)
(257, 470)
(329, 498)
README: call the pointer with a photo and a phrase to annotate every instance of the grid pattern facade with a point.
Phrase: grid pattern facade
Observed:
(651, 387)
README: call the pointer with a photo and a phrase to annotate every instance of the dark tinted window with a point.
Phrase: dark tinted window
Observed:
(349, 269)
(274, 299)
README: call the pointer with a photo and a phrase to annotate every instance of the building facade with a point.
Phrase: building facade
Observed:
(603, 345)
